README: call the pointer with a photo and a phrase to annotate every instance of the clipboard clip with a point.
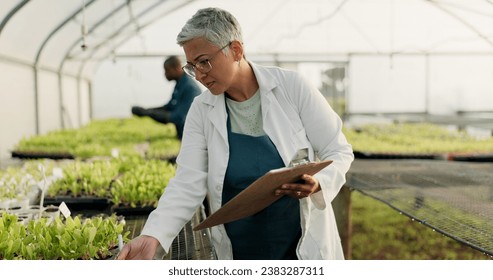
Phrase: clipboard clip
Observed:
(300, 158)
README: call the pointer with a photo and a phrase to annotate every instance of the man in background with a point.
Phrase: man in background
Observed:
(175, 111)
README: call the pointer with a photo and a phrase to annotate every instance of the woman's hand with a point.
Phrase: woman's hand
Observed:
(309, 186)
(141, 248)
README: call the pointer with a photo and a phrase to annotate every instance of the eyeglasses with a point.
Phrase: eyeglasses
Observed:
(204, 66)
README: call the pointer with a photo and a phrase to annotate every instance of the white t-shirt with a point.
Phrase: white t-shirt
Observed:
(246, 116)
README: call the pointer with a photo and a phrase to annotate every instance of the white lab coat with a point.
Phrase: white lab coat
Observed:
(295, 115)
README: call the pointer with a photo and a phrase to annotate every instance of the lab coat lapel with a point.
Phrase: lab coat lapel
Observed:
(274, 118)
(217, 114)
(276, 126)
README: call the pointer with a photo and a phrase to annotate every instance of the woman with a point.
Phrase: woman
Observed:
(251, 119)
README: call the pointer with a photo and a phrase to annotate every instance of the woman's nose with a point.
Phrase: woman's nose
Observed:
(199, 76)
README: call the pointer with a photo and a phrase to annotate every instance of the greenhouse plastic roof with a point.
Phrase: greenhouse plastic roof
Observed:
(49, 34)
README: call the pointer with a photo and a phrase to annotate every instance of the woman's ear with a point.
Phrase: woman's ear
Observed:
(237, 50)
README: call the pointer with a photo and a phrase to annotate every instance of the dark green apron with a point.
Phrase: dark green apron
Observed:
(273, 233)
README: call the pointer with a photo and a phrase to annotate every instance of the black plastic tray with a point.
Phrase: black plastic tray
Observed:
(471, 157)
(41, 155)
(80, 203)
(132, 211)
(370, 155)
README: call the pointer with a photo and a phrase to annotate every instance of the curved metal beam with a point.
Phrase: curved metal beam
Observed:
(461, 20)
(11, 14)
(77, 42)
(83, 63)
(60, 26)
(36, 62)
(318, 21)
(115, 34)
(127, 38)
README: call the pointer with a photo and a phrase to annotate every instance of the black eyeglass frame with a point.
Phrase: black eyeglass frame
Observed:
(204, 65)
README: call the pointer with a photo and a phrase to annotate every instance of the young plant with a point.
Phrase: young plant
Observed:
(69, 239)
(143, 185)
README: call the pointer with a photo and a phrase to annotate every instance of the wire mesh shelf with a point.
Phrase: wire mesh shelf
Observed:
(453, 198)
(188, 245)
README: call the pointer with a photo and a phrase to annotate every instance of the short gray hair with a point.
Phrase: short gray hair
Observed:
(214, 25)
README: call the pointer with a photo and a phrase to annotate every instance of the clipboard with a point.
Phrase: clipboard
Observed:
(260, 193)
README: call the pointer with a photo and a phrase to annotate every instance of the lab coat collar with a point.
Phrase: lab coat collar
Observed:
(266, 81)
(217, 113)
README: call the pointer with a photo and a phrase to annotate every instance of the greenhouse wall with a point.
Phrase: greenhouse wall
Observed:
(120, 84)
(84, 102)
(16, 105)
(49, 102)
(386, 84)
(70, 103)
(462, 83)
(436, 84)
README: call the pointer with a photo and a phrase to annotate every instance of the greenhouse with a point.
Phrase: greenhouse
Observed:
(410, 80)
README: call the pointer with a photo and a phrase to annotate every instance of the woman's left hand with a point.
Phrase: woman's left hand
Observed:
(309, 186)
